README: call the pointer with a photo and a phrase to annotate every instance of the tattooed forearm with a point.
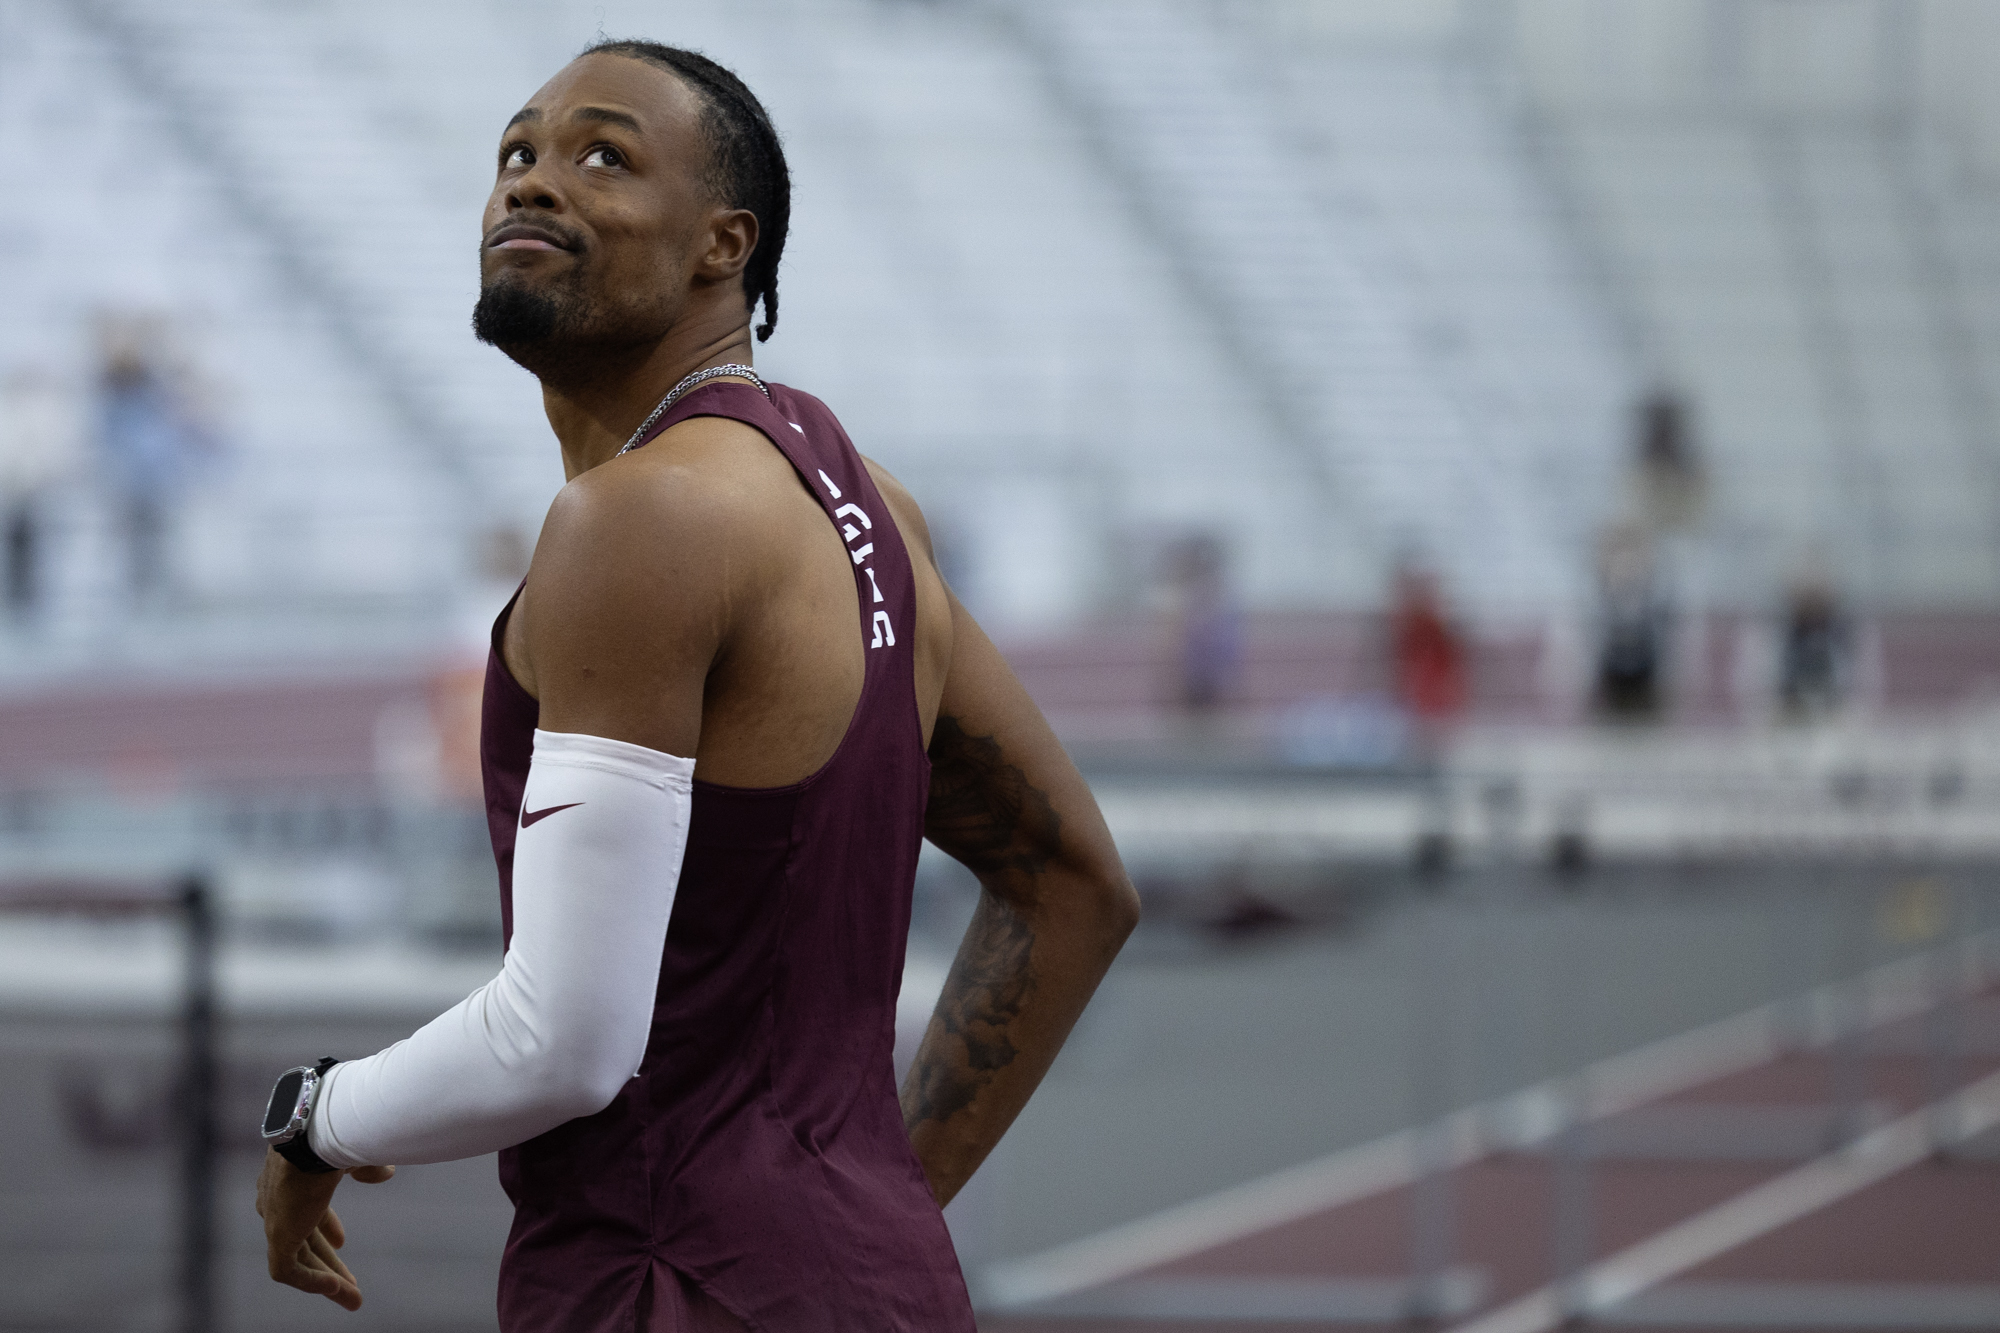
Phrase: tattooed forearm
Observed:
(983, 810)
(969, 1041)
(1054, 906)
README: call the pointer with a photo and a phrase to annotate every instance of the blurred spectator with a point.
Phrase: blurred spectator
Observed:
(427, 748)
(1669, 489)
(1667, 469)
(1208, 625)
(504, 553)
(1633, 626)
(500, 563)
(151, 440)
(1355, 731)
(1426, 652)
(38, 448)
(1815, 661)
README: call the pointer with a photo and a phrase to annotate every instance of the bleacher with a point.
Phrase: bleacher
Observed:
(1809, 257)
(1368, 240)
(325, 528)
(1010, 291)
(1088, 277)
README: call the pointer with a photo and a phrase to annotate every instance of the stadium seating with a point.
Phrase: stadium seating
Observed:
(1004, 275)
(1812, 260)
(1087, 276)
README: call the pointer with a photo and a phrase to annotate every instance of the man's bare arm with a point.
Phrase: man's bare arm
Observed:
(1054, 908)
(626, 602)
(623, 627)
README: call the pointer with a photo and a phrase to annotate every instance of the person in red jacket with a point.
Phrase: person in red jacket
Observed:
(1429, 658)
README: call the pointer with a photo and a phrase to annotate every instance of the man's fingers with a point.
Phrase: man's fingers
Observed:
(308, 1277)
(282, 1248)
(310, 1272)
(329, 1226)
(302, 1234)
(293, 1205)
(325, 1254)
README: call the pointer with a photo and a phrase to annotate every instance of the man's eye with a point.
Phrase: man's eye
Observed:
(519, 156)
(603, 156)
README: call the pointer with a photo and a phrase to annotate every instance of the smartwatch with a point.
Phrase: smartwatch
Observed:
(291, 1107)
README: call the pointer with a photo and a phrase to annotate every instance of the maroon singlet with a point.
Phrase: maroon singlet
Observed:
(759, 1159)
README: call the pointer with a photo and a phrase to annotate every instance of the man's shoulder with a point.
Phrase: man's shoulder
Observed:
(704, 480)
(699, 464)
(885, 481)
(909, 514)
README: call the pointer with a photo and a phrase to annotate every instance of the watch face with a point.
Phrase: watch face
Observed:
(284, 1102)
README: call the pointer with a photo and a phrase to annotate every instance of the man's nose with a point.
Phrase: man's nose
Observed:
(533, 190)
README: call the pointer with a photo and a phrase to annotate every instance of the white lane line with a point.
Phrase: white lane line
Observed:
(1659, 1069)
(1755, 1212)
(1264, 1299)
(1201, 1224)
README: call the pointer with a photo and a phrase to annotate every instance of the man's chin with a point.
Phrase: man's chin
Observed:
(510, 316)
(539, 334)
(534, 330)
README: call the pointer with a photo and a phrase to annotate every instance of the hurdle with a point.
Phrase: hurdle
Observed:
(190, 898)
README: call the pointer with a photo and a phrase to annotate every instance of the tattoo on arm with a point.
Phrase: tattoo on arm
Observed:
(988, 987)
(984, 812)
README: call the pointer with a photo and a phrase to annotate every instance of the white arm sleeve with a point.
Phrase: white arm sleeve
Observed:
(565, 1024)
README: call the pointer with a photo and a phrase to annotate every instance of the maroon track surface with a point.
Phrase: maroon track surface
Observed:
(1935, 1223)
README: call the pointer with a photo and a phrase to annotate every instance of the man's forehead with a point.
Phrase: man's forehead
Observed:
(613, 89)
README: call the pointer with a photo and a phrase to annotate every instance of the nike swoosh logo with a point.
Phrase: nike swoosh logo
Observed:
(531, 816)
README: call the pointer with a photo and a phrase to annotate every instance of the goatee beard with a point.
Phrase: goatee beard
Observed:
(547, 336)
(514, 319)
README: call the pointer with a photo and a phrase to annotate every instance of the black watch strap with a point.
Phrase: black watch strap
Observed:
(297, 1150)
(300, 1154)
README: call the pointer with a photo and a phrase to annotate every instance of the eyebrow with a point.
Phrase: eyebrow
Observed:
(605, 115)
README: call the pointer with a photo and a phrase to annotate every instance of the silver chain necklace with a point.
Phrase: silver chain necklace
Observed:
(674, 395)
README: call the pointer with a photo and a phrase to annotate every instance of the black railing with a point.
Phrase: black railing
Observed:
(195, 1120)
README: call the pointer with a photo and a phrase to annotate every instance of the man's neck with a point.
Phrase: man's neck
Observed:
(594, 414)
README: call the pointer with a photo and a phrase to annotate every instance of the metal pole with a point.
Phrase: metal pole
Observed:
(1573, 1239)
(1848, 1059)
(1787, 931)
(1433, 1211)
(1944, 1024)
(1496, 1033)
(1572, 1221)
(197, 1106)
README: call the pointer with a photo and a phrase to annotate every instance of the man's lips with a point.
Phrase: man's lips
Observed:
(520, 236)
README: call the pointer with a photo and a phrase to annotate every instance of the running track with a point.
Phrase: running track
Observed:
(1828, 1163)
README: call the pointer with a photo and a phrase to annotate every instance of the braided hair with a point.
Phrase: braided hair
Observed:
(746, 163)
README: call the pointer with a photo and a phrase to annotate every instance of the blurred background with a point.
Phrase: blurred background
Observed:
(1502, 499)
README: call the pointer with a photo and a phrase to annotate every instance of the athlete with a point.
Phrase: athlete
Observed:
(733, 692)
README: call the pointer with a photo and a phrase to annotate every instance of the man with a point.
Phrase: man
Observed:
(713, 696)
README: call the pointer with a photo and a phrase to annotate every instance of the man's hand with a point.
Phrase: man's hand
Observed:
(301, 1232)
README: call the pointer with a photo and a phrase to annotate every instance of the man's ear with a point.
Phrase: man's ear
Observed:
(732, 238)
